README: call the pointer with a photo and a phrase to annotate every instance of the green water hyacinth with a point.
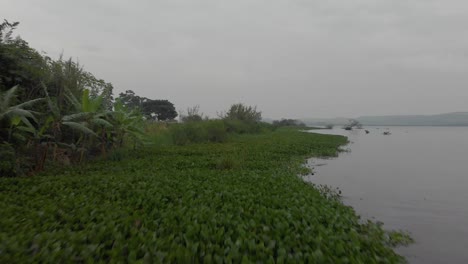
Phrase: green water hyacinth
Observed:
(174, 204)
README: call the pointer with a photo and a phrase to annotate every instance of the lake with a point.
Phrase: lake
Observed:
(415, 179)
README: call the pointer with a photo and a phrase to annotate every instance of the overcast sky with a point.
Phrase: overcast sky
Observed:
(291, 58)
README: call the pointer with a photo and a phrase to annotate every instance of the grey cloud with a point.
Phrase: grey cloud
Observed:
(292, 58)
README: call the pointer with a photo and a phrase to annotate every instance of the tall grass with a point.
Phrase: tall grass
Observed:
(217, 131)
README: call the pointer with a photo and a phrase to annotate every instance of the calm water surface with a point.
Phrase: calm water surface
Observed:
(415, 179)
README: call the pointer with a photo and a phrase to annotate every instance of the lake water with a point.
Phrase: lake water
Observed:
(415, 179)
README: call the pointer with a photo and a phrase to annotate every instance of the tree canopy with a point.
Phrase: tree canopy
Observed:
(243, 113)
(161, 110)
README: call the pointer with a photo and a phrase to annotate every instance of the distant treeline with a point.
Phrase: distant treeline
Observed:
(448, 119)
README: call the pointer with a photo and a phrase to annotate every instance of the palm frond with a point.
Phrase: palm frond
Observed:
(26, 129)
(101, 122)
(18, 137)
(18, 112)
(96, 103)
(76, 116)
(27, 123)
(52, 105)
(30, 103)
(80, 127)
(73, 100)
(7, 96)
(85, 101)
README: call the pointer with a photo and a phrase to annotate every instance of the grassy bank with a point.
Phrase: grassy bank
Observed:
(234, 201)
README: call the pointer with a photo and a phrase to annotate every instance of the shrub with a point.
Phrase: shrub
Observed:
(242, 127)
(227, 163)
(236, 126)
(243, 113)
(216, 131)
(197, 132)
(193, 115)
(7, 161)
(179, 134)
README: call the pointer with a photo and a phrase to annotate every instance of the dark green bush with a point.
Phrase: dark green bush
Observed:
(179, 135)
(242, 127)
(7, 160)
(198, 132)
(227, 163)
(216, 131)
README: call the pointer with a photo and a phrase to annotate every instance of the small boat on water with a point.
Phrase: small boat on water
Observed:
(386, 133)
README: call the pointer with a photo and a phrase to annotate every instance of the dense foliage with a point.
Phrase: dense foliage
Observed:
(55, 111)
(193, 114)
(243, 113)
(217, 130)
(161, 110)
(239, 201)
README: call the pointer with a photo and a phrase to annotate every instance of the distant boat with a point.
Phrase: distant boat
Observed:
(387, 133)
(367, 131)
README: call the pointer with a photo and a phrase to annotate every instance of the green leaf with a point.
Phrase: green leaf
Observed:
(80, 127)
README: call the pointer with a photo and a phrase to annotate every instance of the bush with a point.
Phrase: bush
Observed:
(244, 113)
(227, 163)
(197, 132)
(237, 126)
(179, 134)
(216, 131)
(242, 127)
(7, 161)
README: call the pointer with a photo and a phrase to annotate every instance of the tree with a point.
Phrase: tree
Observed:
(243, 113)
(76, 112)
(351, 124)
(20, 64)
(14, 116)
(131, 100)
(126, 123)
(193, 115)
(162, 110)
(6, 30)
(15, 129)
(92, 113)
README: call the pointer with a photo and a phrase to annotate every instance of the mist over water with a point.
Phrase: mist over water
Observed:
(415, 179)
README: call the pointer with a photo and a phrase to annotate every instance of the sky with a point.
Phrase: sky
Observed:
(290, 58)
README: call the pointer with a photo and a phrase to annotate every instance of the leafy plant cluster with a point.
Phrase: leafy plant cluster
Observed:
(160, 110)
(240, 201)
(55, 111)
(242, 112)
